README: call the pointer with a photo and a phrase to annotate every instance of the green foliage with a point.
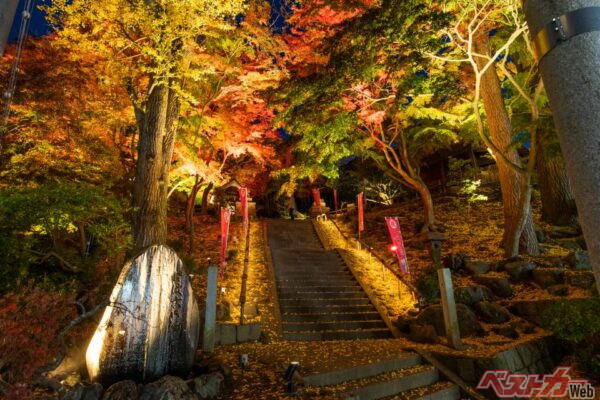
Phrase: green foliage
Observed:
(428, 286)
(48, 218)
(191, 266)
(573, 321)
(578, 324)
(470, 189)
(459, 170)
(232, 254)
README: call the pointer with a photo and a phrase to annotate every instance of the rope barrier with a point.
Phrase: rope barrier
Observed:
(385, 263)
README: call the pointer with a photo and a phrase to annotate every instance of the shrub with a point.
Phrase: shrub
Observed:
(427, 284)
(30, 322)
(578, 324)
(573, 321)
(49, 218)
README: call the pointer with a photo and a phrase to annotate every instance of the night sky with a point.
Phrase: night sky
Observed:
(39, 27)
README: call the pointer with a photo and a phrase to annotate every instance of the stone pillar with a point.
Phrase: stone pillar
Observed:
(8, 8)
(210, 317)
(571, 74)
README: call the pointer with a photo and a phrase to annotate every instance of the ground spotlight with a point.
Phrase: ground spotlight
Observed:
(289, 377)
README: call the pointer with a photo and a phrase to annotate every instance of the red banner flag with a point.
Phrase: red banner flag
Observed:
(398, 242)
(225, 219)
(317, 198)
(335, 205)
(244, 205)
(361, 212)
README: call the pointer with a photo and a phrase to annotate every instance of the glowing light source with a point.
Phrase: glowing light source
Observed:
(393, 248)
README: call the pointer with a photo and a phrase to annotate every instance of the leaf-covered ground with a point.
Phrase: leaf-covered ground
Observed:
(477, 235)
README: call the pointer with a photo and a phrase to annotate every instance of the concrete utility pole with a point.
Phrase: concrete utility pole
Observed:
(567, 42)
(210, 317)
(8, 8)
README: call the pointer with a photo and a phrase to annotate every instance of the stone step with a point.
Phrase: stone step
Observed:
(331, 317)
(324, 309)
(295, 294)
(296, 283)
(288, 260)
(321, 289)
(291, 257)
(446, 392)
(294, 276)
(292, 264)
(314, 268)
(318, 302)
(306, 252)
(338, 335)
(333, 326)
(314, 271)
(404, 360)
(395, 386)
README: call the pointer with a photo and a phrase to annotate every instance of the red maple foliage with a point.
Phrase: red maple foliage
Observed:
(30, 321)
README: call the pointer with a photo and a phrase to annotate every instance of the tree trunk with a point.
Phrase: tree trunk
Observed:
(155, 149)
(428, 211)
(205, 198)
(519, 234)
(190, 205)
(82, 240)
(558, 203)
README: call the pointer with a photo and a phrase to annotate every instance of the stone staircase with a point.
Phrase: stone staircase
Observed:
(319, 298)
(405, 377)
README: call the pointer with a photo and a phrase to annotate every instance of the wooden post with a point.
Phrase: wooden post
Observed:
(449, 308)
(210, 316)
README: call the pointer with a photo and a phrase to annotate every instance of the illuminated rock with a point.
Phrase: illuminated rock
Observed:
(151, 326)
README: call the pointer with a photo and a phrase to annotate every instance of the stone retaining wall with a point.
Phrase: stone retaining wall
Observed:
(532, 310)
(533, 357)
(233, 333)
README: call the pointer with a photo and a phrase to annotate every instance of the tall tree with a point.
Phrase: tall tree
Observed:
(468, 42)
(151, 46)
(230, 128)
(361, 81)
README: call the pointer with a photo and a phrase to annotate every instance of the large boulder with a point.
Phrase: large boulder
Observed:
(498, 284)
(467, 320)
(472, 294)
(558, 290)
(519, 270)
(579, 259)
(455, 261)
(546, 277)
(477, 267)
(208, 386)
(423, 333)
(167, 388)
(580, 279)
(491, 312)
(559, 232)
(123, 390)
(151, 326)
